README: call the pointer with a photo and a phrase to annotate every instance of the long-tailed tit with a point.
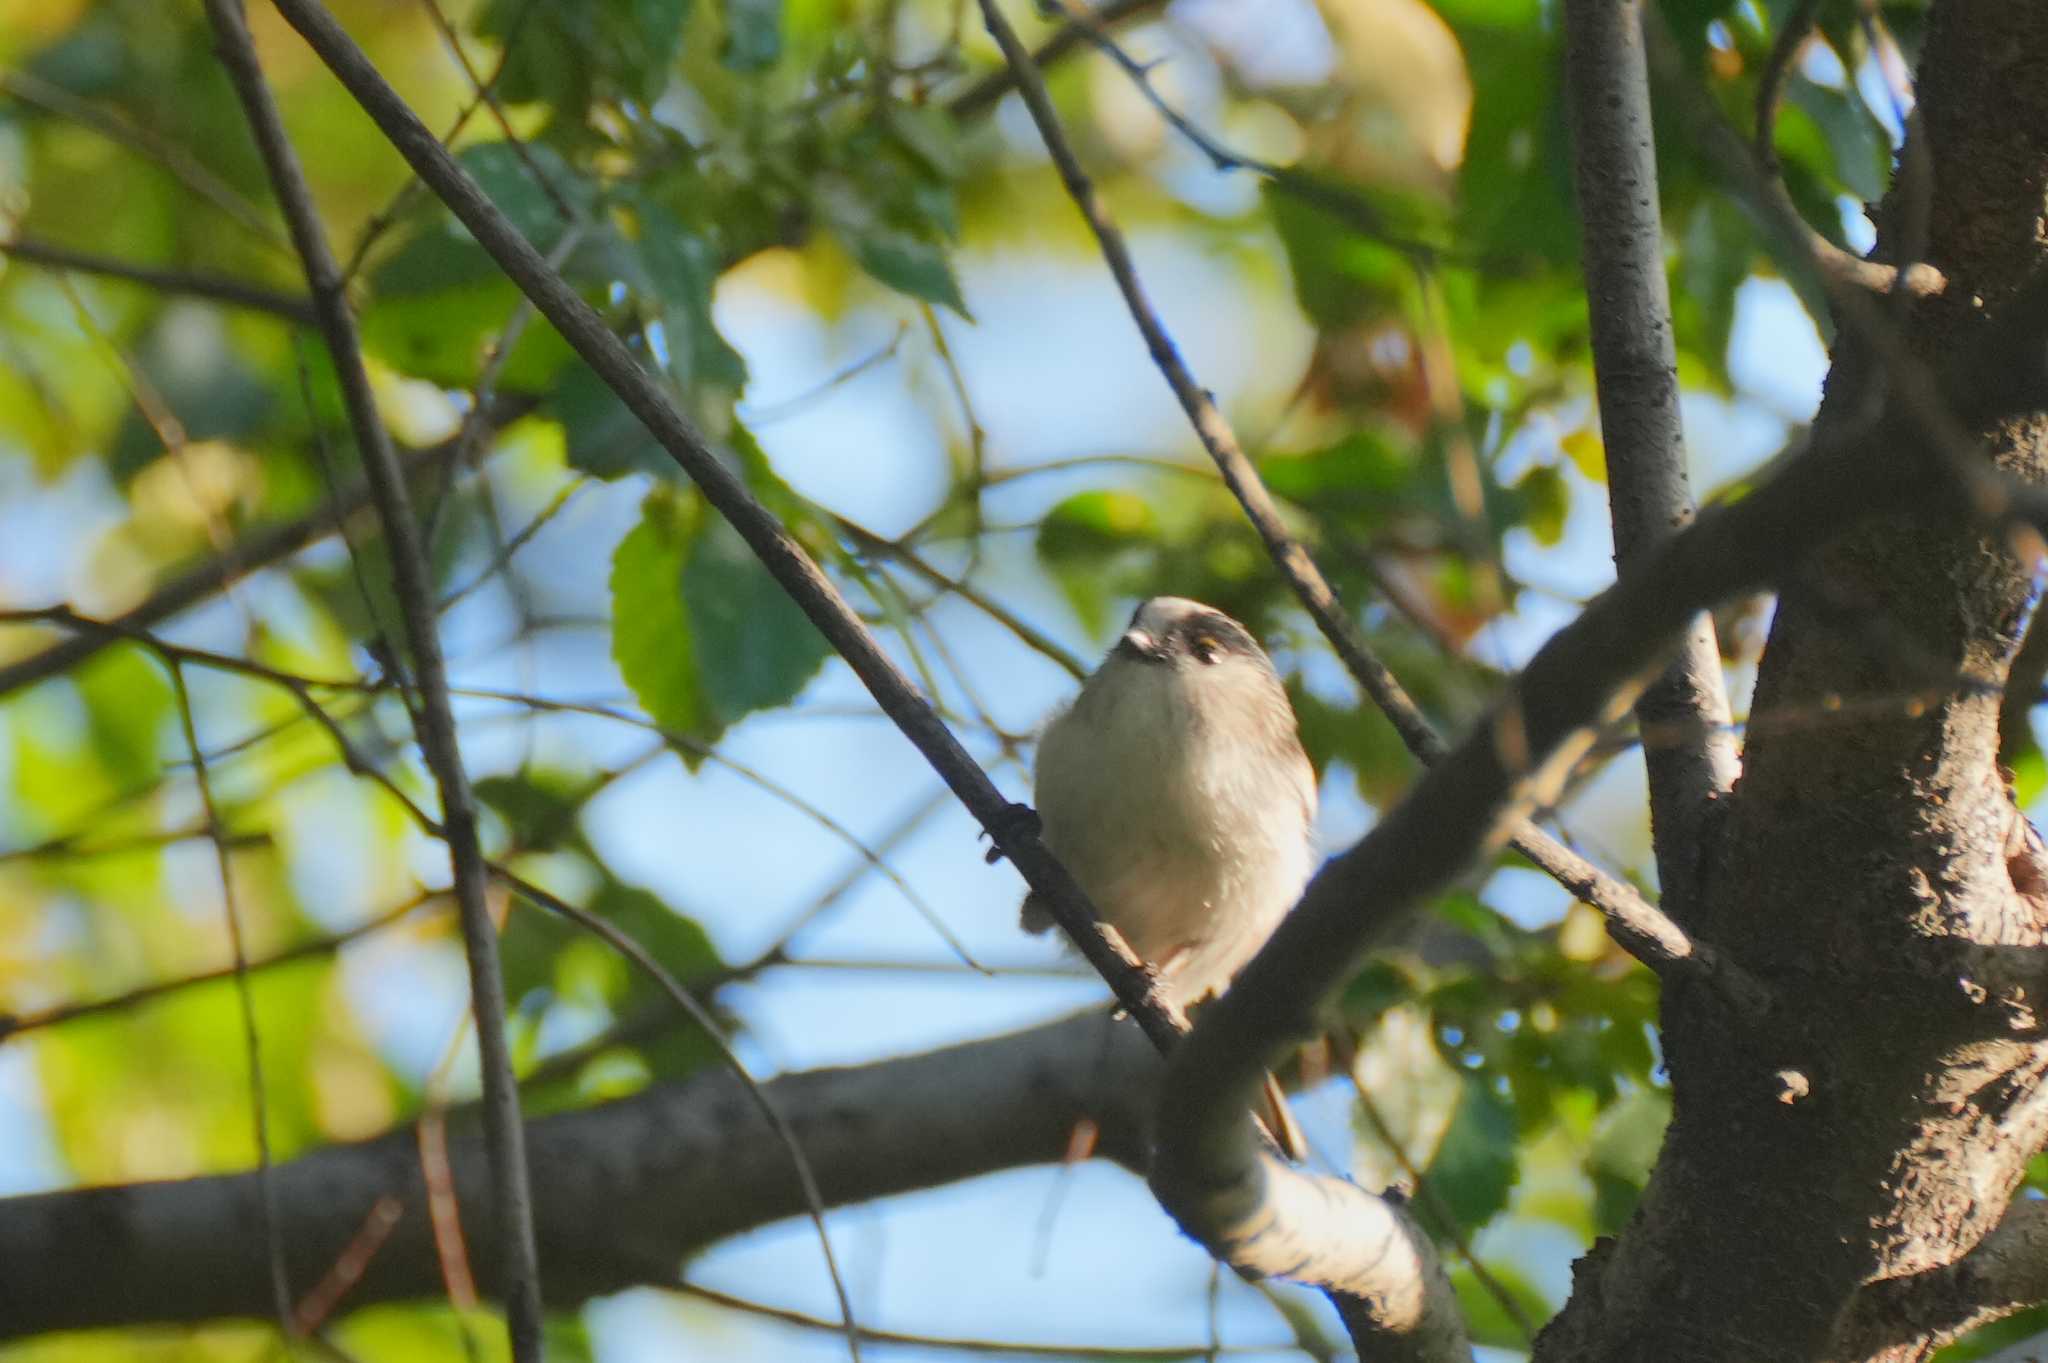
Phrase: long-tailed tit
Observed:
(1176, 791)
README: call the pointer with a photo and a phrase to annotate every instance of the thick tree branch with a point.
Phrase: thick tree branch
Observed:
(632, 1187)
(1689, 747)
(519, 1266)
(2007, 1271)
(784, 558)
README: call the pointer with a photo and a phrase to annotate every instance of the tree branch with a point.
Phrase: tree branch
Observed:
(987, 92)
(784, 558)
(2007, 1271)
(1636, 367)
(633, 1187)
(191, 283)
(434, 718)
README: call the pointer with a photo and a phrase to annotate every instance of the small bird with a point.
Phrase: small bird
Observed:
(1176, 791)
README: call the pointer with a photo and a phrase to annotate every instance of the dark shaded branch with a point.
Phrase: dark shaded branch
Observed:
(2006, 1272)
(1770, 82)
(633, 1187)
(189, 283)
(433, 716)
(260, 549)
(784, 558)
(1636, 367)
(1637, 925)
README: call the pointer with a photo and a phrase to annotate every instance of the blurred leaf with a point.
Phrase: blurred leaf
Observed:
(651, 629)
(756, 647)
(1476, 1163)
(1625, 1147)
(571, 54)
(910, 259)
(604, 437)
(753, 34)
(540, 806)
(1544, 499)
(1486, 1320)
(1860, 152)
(128, 702)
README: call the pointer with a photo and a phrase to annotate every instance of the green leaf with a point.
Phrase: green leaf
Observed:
(1625, 1147)
(602, 435)
(1859, 150)
(1486, 1320)
(756, 648)
(539, 805)
(680, 268)
(753, 34)
(1543, 499)
(128, 699)
(910, 262)
(651, 636)
(1476, 1163)
(572, 54)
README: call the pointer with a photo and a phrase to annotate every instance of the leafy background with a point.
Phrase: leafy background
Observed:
(864, 282)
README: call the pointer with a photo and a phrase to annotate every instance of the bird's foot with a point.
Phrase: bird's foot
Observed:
(1016, 821)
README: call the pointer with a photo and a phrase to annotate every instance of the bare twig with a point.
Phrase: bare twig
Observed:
(784, 558)
(252, 1045)
(436, 720)
(689, 1006)
(1644, 931)
(319, 946)
(1770, 82)
(985, 1347)
(986, 92)
(189, 283)
(1636, 368)
(1027, 634)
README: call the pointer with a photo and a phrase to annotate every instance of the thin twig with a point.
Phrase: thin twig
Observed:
(505, 1135)
(257, 551)
(187, 283)
(688, 1004)
(1637, 924)
(1770, 82)
(1027, 634)
(11, 1027)
(988, 91)
(245, 1002)
(990, 1347)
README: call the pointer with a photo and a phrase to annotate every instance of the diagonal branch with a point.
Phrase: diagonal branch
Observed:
(1637, 925)
(1636, 366)
(784, 558)
(434, 718)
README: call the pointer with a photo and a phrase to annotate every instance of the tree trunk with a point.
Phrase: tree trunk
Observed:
(1875, 1123)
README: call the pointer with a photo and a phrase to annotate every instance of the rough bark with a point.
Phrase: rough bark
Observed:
(1871, 866)
(622, 1192)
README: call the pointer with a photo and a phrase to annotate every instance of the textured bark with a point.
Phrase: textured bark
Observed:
(622, 1192)
(1874, 1126)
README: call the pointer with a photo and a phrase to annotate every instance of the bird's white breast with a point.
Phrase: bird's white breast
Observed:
(1189, 836)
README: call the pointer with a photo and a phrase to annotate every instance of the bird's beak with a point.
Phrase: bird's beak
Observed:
(1138, 644)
